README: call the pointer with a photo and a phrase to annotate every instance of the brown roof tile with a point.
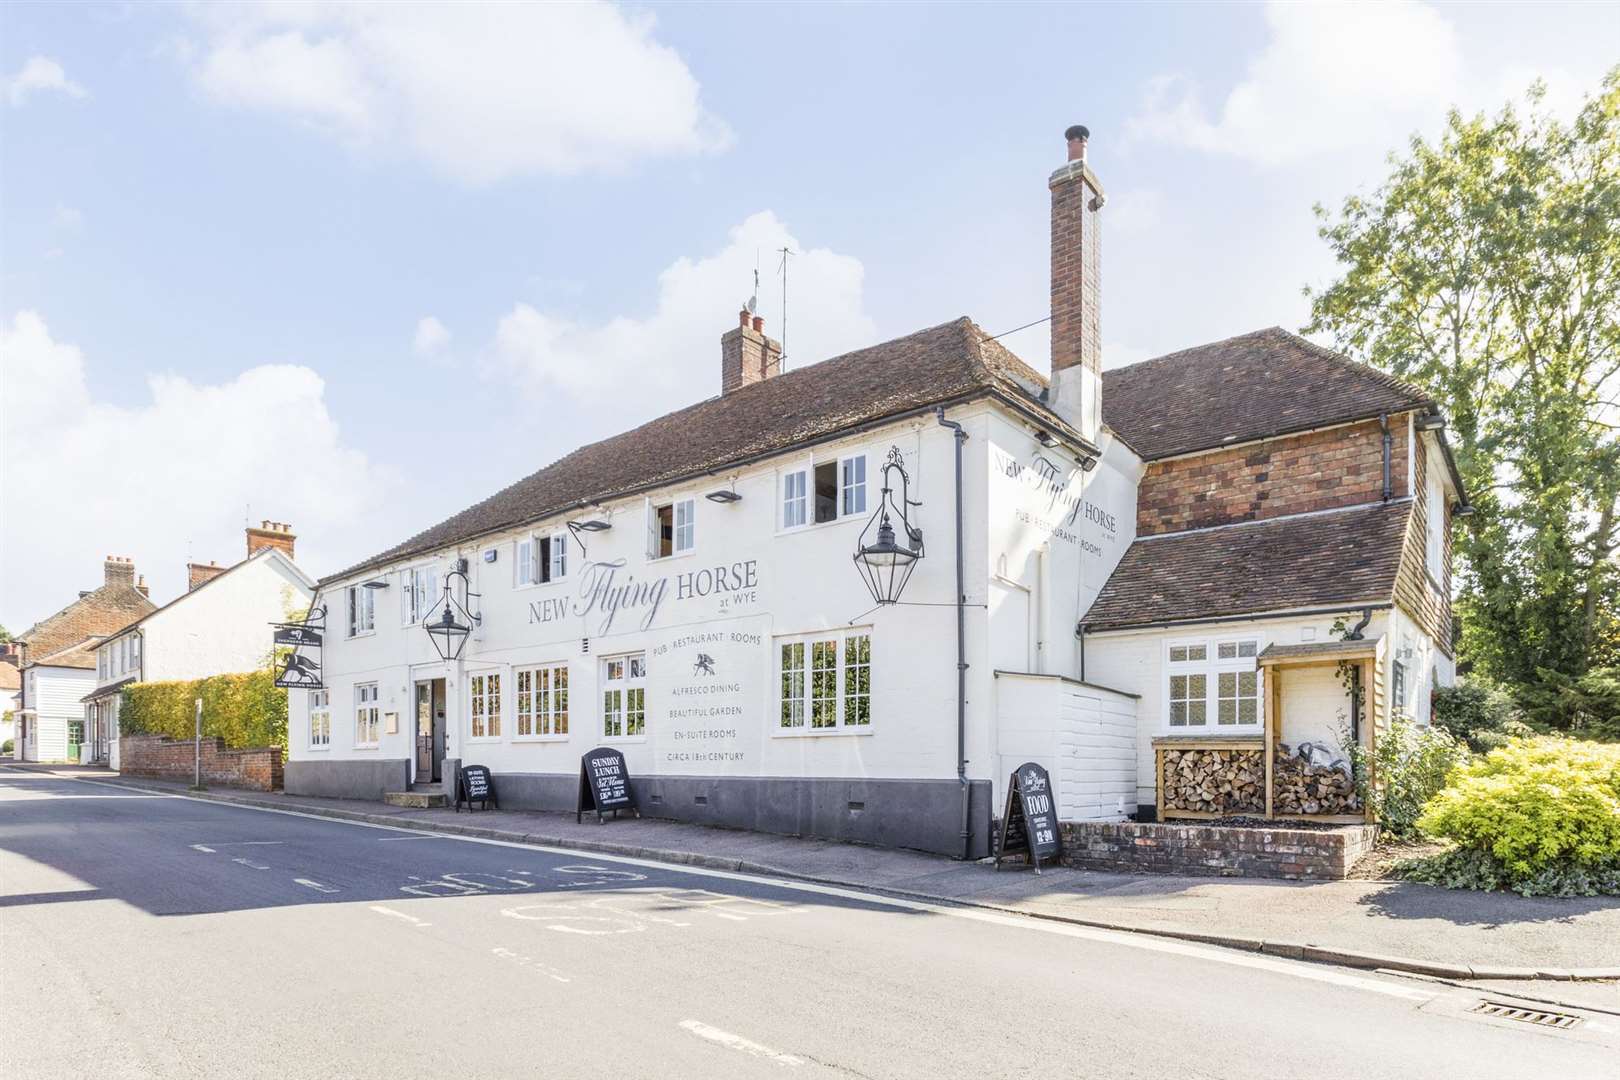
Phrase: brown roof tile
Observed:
(95, 614)
(1343, 558)
(944, 363)
(1249, 387)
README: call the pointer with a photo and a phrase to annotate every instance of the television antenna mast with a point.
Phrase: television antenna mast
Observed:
(783, 270)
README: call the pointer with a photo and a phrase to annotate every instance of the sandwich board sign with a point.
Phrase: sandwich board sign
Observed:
(473, 784)
(1029, 824)
(604, 784)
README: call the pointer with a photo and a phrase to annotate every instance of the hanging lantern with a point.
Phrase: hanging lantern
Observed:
(884, 556)
(454, 624)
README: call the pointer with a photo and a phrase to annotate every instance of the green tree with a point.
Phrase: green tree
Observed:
(1487, 269)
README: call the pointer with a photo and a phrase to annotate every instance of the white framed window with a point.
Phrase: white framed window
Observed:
(541, 559)
(1398, 692)
(362, 610)
(624, 696)
(320, 719)
(523, 563)
(484, 704)
(852, 485)
(825, 681)
(541, 701)
(134, 651)
(367, 718)
(794, 499)
(1213, 685)
(673, 529)
(554, 557)
(419, 592)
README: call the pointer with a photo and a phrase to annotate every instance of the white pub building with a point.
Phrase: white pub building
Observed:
(1077, 571)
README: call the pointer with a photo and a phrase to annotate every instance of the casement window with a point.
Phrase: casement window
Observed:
(320, 718)
(362, 610)
(419, 593)
(673, 529)
(825, 492)
(624, 696)
(541, 559)
(542, 701)
(1212, 685)
(134, 652)
(367, 718)
(1398, 691)
(484, 705)
(825, 681)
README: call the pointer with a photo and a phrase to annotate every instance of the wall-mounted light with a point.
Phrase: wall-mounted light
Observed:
(885, 561)
(590, 525)
(1431, 422)
(377, 584)
(449, 632)
(1045, 438)
(723, 496)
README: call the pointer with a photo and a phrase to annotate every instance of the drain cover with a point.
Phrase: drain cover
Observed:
(1543, 1017)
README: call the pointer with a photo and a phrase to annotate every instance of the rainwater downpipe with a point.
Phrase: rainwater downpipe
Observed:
(1389, 444)
(961, 643)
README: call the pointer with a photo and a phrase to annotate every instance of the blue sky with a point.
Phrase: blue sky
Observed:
(359, 267)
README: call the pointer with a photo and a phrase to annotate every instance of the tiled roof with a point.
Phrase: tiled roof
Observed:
(97, 613)
(1249, 387)
(1341, 558)
(950, 362)
(10, 677)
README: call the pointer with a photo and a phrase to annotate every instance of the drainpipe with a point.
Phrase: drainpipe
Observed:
(961, 642)
(1389, 444)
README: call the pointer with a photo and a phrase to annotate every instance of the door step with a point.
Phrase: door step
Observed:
(419, 800)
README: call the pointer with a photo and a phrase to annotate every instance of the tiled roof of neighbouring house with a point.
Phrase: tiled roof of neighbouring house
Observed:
(951, 362)
(10, 677)
(1253, 386)
(95, 614)
(1341, 558)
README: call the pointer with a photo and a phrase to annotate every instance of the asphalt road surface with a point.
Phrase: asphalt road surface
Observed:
(146, 935)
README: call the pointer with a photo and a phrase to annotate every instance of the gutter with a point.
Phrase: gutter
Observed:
(1085, 628)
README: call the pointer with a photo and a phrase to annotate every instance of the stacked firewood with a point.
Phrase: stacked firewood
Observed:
(1303, 787)
(1215, 781)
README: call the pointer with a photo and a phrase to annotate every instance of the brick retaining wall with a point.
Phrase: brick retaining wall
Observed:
(163, 758)
(1216, 850)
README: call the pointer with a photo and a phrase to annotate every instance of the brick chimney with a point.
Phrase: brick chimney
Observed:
(270, 534)
(197, 574)
(1077, 196)
(118, 570)
(746, 354)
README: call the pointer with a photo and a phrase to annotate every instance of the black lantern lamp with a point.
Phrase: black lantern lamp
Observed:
(454, 624)
(885, 557)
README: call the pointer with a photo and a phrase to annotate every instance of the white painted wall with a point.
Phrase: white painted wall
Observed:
(1084, 735)
(53, 695)
(224, 625)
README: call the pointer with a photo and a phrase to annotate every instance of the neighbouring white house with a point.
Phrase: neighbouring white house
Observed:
(217, 626)
(59, 663)
(1100, 571)
(10, 692)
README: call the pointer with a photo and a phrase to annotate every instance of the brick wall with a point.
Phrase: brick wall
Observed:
(163, 758)
(1294, 474)
(1217, 851)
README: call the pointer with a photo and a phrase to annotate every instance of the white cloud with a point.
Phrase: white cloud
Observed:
(481, 92)
(671, 357)
(40, 74)
(431, 336)
(83, 478)
(1332, 76)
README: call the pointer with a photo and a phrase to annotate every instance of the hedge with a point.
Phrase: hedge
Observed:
(246, 710)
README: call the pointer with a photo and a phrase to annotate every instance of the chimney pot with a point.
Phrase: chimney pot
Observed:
(276, 534)
(1077, 137)
(759, 323)
(743, 318)
(747, 355)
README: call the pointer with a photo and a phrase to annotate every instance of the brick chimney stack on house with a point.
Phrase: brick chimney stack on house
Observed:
(270, 534)
(198, 574)
(1077, 196)
(118, 570)
(140, 586)
(746, 354)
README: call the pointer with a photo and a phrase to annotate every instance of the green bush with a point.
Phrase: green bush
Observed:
(245, 710)
(1411, 762)
(1540, 809)
(7, 747)
(1481, 716)
(1588, 706)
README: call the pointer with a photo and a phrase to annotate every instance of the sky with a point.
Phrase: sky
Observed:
(357, 267)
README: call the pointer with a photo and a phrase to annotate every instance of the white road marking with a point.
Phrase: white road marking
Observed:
(528, 961)
(1213, 954)
(317, 886)
(412, 919)
(432, 836)
(203, 848)
(250, 863)
(737, 1042)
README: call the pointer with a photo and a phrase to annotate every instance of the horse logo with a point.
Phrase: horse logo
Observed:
(704, 665)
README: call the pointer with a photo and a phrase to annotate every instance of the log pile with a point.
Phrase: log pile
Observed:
(1301, 787)
(1215, 781)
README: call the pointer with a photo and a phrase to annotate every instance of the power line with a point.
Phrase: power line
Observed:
(1014, 330)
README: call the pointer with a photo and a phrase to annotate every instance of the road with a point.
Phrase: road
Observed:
(148, 935)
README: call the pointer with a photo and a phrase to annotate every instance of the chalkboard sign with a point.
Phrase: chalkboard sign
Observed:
(1030, 822)
(473, 784)
(604, 784)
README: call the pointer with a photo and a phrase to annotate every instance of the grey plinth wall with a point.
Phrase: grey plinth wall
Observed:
(346, 779)
(921, 814)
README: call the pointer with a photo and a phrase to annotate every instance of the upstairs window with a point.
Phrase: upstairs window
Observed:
(542, 559)
(825, 492)
(793, 500)
(419, 592)
(674, 529)
(362, 610)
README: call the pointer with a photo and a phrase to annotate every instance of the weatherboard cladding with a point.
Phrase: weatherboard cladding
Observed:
(1249, 387)
(951, 362)
(1339, 558)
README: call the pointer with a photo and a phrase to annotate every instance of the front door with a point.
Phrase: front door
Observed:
(75, 739)
(429, 729)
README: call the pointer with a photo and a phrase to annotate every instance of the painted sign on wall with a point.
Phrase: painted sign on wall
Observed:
(708, 683)
(1053, 501)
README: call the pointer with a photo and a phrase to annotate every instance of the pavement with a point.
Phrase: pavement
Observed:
(144, 935)
(1401, 926)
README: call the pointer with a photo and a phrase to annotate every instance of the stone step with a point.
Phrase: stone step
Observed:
(420, 800)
